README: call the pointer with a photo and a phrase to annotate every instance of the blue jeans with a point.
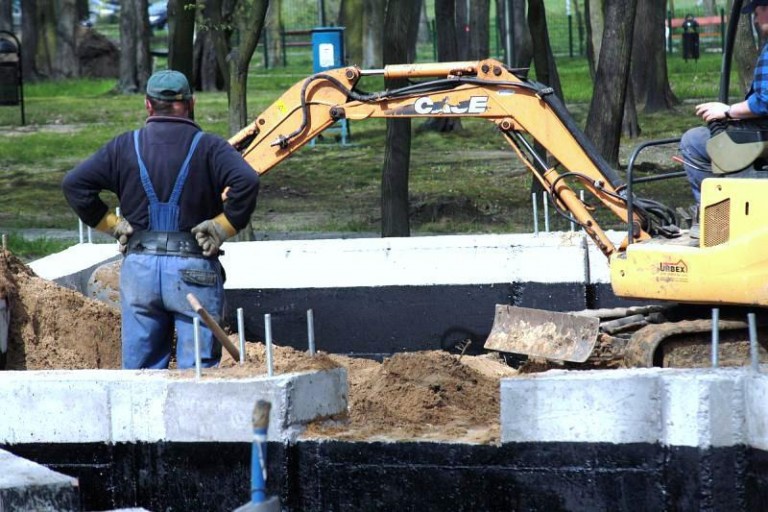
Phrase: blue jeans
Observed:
(698, 165)
(153, 297)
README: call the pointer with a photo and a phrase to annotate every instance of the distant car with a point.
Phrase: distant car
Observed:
(158, 14)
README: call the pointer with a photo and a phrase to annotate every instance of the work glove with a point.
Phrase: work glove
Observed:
(117, 227)
(211, 233)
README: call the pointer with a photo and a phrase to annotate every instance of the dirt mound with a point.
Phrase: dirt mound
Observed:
(53, 327)
(428, 395)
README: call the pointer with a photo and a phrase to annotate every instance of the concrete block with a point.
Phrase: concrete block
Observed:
(29, 487)
(589, 406)
(756, 409)
(120, 406)
(702, 408)
(73, 266)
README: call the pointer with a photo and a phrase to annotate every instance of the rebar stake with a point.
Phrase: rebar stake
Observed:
(715, 337)
(268, 340)
(241, 333)
(311, 332)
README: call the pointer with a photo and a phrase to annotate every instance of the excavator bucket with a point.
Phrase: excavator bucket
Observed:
(543, 334)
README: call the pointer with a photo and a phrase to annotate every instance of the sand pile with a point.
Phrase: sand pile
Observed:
(54, 327)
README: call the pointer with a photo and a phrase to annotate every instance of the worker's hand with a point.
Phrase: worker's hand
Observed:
(712, 111)
(211, 233)
(117, 227)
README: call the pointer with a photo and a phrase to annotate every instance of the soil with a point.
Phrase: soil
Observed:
(429, 395)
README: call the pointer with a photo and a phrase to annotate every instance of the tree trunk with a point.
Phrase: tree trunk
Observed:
(463, 29)
(630, 125)
(650, 79)
(207, 74)
(523, 41)
(479, 22)
(544, 60)
(250, 23)
(373, 33)
(606, 110)
(181, 30)
(447, 51)
(29, 37)
(745, 54)
(593, 12)
(46, 38)
(135, 63)
(710, 9)
(400, 31)
(6, 15)
(66, 64)
(273, 27)
(351, 17)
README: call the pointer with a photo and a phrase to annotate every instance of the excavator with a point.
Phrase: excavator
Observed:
(656, 261)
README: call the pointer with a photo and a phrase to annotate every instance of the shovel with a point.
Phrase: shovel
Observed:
(543, 334)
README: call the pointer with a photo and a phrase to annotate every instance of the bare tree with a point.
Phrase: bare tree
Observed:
(29, 33)
(400, 32)
(447, 51)
(273, 32)
(650, 79)
(479, 22)
(351, 17)
(544, 60)
(606, 111)
(745, 52)
(373, 33)
(135, 63)
(181, 31)
(6, 15)
(65, 63)
(595, 20)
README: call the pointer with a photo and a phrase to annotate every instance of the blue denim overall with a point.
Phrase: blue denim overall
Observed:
(154, 288)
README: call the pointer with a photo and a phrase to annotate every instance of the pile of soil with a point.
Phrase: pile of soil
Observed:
(429, 395)
(54, 327)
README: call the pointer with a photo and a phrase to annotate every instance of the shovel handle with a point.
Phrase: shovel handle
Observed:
(213, 326)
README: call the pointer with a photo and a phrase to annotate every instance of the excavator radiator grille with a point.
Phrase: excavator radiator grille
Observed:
(717, 223)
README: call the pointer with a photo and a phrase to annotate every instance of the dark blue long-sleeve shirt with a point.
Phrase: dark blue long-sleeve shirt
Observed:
(164, 142)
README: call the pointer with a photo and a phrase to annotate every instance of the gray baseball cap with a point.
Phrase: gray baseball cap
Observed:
(168, 85)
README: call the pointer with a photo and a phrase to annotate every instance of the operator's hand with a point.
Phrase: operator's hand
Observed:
(211, 233)
(117, 227)
(712, 111)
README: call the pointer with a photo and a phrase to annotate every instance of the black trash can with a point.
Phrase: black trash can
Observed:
(11, 84)
(690, 38)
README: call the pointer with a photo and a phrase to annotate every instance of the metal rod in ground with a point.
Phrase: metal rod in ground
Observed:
(268, 341)
(5, 241)
(241, 333)
(90, 235)
(198, 364)
(754, 355)
(259, 452)
(311, 332)
(545, 205)
(715, 336)
(81, 230)
(535, 203)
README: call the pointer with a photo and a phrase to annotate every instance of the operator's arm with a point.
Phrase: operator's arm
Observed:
(82, 185)
(240, 181)
(756, 104)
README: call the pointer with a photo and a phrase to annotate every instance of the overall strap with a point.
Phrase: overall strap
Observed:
(184, 171)
(182, 177)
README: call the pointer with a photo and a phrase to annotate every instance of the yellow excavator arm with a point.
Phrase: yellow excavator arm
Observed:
(484, 89)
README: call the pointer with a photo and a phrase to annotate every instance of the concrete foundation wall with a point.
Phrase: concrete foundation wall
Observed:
(694, 408)
(121, 406)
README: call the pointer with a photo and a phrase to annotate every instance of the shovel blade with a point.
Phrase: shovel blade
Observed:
(543, 334)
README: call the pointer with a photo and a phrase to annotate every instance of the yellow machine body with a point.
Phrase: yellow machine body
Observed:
(728, 265)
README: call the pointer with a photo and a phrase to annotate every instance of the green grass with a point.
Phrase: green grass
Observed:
(32, 248)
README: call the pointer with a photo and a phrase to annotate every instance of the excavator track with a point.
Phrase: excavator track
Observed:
(688, 344)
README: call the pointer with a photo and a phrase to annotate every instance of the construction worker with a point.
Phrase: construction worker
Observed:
(752, 113)
(169, 177)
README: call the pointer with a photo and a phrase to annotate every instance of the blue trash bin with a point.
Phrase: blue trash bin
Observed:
(327, 48)
(328, 53)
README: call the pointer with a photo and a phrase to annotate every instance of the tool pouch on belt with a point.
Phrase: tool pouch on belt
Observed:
(169, 243)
